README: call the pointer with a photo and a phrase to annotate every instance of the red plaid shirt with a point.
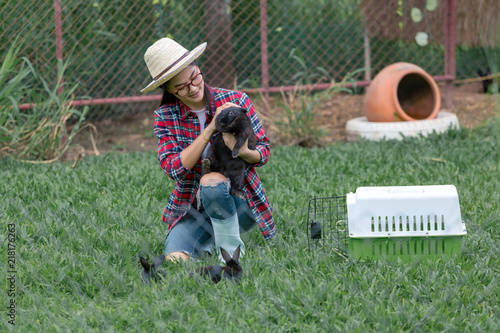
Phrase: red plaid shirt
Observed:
(176, 128)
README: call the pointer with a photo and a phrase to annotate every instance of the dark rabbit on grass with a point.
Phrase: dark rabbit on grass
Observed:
(232, 271)
(220, 158)
(151, 271)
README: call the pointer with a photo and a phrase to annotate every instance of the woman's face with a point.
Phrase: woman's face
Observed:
(191, 94)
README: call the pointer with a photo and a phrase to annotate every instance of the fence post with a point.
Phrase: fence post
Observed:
(449, 63)
(368, 53)
(59, 57)
(264, 55)
(59, 49)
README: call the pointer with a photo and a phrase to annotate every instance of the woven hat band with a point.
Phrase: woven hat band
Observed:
(171, 65)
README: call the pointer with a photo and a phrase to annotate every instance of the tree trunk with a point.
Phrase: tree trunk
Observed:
(219, 67)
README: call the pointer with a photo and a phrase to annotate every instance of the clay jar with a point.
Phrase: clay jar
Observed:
(402, 92)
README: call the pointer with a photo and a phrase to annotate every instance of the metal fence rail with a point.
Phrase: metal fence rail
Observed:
(258, 47)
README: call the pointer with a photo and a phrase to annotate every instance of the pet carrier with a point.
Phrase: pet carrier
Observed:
(407, 222)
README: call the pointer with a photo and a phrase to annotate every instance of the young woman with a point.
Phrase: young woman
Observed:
(201, 212)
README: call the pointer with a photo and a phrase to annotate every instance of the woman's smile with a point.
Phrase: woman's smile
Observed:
(195, 94)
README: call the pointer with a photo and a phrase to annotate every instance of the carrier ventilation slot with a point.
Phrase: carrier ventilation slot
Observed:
(407, 223)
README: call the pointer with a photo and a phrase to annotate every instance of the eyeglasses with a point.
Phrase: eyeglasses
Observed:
(185, 89)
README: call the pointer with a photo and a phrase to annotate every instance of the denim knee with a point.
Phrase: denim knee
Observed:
(192, 235)
(217, 200)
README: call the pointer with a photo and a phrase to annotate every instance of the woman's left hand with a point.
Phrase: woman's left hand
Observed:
(247, 154)
(230, 141)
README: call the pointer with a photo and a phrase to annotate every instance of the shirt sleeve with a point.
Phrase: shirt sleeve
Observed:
(263, 143)
(169, 149)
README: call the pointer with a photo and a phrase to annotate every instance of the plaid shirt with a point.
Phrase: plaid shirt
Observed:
(176, 128)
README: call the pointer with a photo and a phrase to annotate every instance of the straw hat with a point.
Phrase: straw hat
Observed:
(166, 58)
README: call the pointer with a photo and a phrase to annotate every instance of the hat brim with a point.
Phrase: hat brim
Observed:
(193, 55)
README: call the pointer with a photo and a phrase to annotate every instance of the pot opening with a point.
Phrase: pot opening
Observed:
(416, 97)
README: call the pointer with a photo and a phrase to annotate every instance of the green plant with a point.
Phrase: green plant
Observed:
(297, 124)
(13, 75)
(44, 131)
(305, 76)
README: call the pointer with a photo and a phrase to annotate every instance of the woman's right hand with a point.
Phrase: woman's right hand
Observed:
(211, 126)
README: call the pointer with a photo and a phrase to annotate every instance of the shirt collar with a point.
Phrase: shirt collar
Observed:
(212, 101)
(183, 108)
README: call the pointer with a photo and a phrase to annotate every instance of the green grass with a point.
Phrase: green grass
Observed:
(79, 232)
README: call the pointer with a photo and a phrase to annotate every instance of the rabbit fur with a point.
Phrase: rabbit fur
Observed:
(220, 158)
(487, 82)
(151, 272)
(232, 271)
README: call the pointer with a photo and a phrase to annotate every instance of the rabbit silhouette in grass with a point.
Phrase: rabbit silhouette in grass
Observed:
(232, 271)
(151, 271)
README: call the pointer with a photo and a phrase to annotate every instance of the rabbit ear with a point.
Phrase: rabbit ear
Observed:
(225, 255)
(236, 254)
(159, 260)
(144, 263)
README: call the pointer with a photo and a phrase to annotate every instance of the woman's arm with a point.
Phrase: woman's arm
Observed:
(191, 155)
(260, 155)
(169, 148)
(251, 156)
(176, 160)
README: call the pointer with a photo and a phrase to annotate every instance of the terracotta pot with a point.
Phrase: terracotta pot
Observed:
(402, 92)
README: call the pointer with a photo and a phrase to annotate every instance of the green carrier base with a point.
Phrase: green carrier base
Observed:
(407, 248)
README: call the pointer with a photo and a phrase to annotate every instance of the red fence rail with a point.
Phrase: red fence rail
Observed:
(252, 46)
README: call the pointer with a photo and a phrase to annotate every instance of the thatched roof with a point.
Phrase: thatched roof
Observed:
(477, 23)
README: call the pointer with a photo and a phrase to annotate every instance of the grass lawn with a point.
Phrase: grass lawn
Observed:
(78, 233)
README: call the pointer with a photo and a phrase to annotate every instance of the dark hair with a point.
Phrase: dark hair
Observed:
(169, 98)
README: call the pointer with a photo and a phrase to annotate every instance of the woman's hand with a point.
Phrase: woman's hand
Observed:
(211, 126)
(247, 154)
(230, 141)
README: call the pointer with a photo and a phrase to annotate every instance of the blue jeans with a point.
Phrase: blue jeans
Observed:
(193, 233)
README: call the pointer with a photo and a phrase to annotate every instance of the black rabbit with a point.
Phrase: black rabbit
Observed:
(486, 82)
(151, 272)
(220, 158)
(232, 271)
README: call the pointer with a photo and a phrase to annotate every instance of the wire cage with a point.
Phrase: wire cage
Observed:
(327, 224)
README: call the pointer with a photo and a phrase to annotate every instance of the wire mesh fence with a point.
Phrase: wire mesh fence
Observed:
(251, 44)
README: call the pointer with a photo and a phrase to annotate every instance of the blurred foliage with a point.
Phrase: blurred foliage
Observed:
(45, 131)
